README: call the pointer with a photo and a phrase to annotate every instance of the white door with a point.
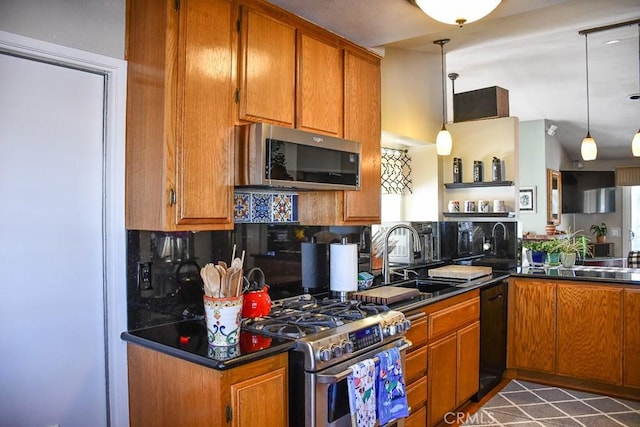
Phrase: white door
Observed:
(52, 316)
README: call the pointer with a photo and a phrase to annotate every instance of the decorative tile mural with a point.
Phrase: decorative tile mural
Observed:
(254, 207)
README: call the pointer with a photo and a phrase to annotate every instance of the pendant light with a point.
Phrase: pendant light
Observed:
(635, 143)
(444, 141)
(588, 148)
(457, 12)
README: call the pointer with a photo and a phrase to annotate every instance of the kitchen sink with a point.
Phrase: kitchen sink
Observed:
(434, 287)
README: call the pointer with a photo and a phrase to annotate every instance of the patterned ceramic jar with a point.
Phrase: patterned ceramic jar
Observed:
(223, 317)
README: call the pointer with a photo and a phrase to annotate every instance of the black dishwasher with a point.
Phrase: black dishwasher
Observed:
(493, 337)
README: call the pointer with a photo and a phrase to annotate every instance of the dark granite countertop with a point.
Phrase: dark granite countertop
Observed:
(188, 340)
(423, 300)
(617, 275)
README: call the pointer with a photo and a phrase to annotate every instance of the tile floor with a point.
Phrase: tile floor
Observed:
(524, 404)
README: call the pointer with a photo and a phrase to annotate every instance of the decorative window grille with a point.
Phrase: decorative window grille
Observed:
(396, 171)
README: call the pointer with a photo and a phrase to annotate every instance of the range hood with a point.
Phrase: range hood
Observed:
(600, 200)
(588, 192)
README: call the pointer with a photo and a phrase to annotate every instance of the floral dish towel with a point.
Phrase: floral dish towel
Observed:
(391, 393)
(362, 394)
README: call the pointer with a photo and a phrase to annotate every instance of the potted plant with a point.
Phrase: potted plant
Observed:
(571, 246)
(600, 231)
(537, 250)
(553, 248)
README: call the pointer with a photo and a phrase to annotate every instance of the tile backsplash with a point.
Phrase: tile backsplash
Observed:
(265, 207)
(163, 280)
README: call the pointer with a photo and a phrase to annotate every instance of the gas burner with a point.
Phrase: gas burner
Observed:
(294, 326)
(351, 310)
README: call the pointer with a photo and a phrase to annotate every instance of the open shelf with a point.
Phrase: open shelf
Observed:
(453, 185)
(479, 215)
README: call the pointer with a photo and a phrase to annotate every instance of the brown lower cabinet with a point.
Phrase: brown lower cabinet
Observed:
(167, 391)
(578, 334)
(442, 366)
(632, 338)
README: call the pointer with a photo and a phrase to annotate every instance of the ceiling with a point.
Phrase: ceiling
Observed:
(531, 48)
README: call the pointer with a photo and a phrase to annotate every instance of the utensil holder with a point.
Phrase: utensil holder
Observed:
(223, 317)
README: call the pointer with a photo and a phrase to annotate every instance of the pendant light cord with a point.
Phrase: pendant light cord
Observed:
(586, 55)
(443, 84)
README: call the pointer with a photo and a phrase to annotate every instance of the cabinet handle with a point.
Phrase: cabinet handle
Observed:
(416, 316)
(496, 297)
(172, 197)
(229, 413)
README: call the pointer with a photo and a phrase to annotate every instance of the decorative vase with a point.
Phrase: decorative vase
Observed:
(568, 259)
(550, 229)
(601, 239)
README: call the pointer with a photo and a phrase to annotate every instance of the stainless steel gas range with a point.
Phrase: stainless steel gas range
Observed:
(330, 336)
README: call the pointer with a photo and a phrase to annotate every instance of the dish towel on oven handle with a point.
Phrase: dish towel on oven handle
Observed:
(362, 393)
(391, 392)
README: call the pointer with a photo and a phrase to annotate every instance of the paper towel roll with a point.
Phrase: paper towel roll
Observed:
(343, 267)
(314, 265)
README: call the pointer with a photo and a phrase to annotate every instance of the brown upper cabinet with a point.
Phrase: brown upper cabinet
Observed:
(288, 75)
(198, 67)
(179, 161)
(267, 68)
(320, 85)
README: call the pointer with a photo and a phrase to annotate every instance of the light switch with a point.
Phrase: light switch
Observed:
(615, 231)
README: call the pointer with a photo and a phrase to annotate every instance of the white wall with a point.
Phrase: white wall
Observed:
(533, 173)
(91, 25)
(411, 119)
(411, 94)
(482, 140)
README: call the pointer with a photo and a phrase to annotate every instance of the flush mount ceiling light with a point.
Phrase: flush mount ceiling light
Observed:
(444, 141)
(457, 12)
(588, 148)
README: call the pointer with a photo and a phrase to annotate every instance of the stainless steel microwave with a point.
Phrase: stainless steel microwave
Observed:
(274, 156)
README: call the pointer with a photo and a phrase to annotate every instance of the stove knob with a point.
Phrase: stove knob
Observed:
(407, 324)
(336, 350)
(324, 354)
(347, 346)
(400, 327)
(390, 330)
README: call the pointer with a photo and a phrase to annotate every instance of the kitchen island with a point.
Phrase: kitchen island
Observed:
(576, 328)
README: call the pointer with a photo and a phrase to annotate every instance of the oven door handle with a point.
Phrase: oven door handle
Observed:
(331, 379)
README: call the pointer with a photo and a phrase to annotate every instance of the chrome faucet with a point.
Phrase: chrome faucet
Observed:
(414, 245)
(505, 233)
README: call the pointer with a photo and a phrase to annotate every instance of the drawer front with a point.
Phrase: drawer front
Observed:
(452, 318)
(417, 394)
(416, 419)
(416, 365)
(417, 334)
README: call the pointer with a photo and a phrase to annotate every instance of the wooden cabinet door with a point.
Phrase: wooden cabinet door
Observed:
(204, 155)
(319, 88)
(442, 378)
(259, 401)
(590, 332)
(267, 69)
(632, 338)
(532, 314)
(362, 123)
(468, 362)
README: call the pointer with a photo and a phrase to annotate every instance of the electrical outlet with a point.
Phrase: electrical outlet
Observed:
(615, 231)
(144, 276)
